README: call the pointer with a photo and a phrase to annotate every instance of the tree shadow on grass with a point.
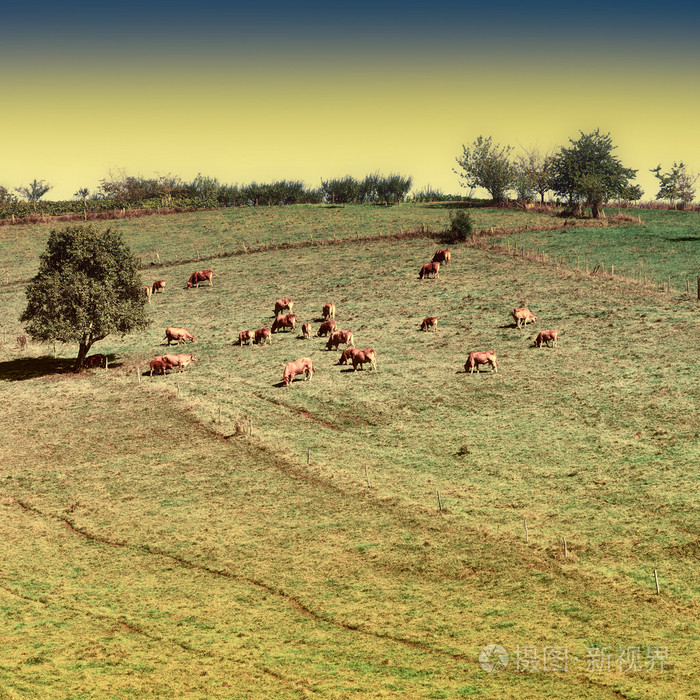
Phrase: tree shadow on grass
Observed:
(683, 239)
(32, 367)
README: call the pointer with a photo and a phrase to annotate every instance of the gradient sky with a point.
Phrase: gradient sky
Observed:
(313, 90)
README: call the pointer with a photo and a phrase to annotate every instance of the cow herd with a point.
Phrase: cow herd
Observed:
(262, 336)
(521, 315)
(285, 320)
(288, 321)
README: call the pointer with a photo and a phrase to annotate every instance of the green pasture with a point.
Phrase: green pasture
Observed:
(153, 548)
(171, 238)
(663, 247)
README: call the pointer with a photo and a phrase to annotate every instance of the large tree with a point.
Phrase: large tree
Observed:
(87, 287)
(676, 185)
(588, 173)
(488, 165)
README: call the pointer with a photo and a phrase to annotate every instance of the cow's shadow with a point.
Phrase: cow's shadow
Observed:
(281, 384)
(32, 367)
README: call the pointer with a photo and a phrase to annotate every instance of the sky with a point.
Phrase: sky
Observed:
(309, 91)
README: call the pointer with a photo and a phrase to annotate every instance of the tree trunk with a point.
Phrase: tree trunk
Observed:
(596, 211)
(85, 346)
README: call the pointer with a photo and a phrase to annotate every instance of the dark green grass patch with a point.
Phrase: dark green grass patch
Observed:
(665, 244)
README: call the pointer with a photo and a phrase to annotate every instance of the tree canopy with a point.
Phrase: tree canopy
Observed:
(676, 185)
(87, 287)
(488, 165)
(588, 173)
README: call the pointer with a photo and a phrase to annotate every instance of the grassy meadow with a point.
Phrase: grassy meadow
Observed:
(152, 547)
(663, 247)
(173, 238)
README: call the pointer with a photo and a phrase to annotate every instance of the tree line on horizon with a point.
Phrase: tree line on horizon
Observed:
(586, 173)
(123, 191)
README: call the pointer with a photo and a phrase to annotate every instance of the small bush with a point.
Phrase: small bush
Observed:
(22, 341)
(461, 227)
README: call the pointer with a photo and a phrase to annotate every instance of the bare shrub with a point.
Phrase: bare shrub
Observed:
(22, 341)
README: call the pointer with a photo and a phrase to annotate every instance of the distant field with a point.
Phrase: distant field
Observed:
(665, 245)
(222, 564)
(187, 236)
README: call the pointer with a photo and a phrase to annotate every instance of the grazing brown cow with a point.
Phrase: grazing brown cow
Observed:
(306, 330)
(284, 321)
(442, 256)
(282, 304)
(179, 361)
(303, 366)
(481, 358)
(545, 337)
(428, 323)
(245, 337)
(326, 328)
(201, 276)
(159, 364)
(431, 268)
(179, 334)
(346, 356)
(262, 336)
(147, 290)
(328, 312)
(523, 316)
(359, 357)
(340, 337)
(158, 286)
(96, 360)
